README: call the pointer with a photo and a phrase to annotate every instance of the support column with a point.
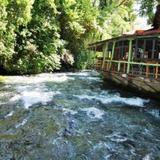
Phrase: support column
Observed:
(113, 48)
(112, 55)
(96, 61)
(105, 49)
(153, 48)
(129, 56)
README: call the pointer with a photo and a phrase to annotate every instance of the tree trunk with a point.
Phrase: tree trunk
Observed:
(156, 20)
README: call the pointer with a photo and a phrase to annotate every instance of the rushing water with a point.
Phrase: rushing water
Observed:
(69, 116)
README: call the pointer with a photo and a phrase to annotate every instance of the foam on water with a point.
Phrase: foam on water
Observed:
(129, 101)
(147, 157)
(21, 88)
(154, 112)
(9, 114)
(66, 110)
(117, 137)
(93, 112)
(32, 94)
(100, 145)
(2, 103)
(84, 74)
(45, 77)
(4, 94)
(22, 123)
(115, 99)
(33, 97)
(15, 98)
(107, 157)
(91, 78)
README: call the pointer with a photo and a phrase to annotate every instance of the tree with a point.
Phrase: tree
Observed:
(45, 35)
(156, 20)
(38, 43)
(13, 13)
(117, 18)
(147, 8)
(77, 23)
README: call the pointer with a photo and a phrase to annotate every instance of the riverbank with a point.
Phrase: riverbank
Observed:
(2, 79)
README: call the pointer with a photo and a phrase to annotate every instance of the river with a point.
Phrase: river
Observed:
(70, 116)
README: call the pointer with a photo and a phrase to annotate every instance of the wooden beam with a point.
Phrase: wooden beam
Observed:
(105, 50)
(113, 49)
(156, 73)
(147, 71)
(153, 47)
(144, 48)
(119, 67)
(136, 48)
(136, 63)
(129, 56)
(112, 55)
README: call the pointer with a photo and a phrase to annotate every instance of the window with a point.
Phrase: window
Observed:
(157, 49)
(148, 49)
(117, 51)
(140, 48)
(121, 50)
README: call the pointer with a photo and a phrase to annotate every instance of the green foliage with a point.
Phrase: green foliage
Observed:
(37, 43)
(2, 79)
(13, 14)
(147, 8)
(42, 35)
(85, 59)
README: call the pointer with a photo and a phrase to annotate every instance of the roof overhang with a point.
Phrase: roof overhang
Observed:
(98, 46)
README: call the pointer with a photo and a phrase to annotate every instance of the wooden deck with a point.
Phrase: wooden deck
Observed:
(142, 81)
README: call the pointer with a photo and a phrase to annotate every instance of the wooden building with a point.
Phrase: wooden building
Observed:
(132, 61)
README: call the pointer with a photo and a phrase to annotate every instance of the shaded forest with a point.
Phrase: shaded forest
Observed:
(50, 35)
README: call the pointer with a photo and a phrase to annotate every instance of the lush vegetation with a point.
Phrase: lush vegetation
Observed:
(47, 35)
(147, 8)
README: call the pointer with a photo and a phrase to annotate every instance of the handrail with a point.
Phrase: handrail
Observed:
(134, 63)
(109, 62)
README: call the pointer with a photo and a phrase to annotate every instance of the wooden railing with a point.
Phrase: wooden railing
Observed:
(148, 70)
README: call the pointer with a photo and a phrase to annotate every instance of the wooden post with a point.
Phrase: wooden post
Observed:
(156, 73)
(129, 56)
(105, 49)
(124, 68)
(119, 66)
(147, 71)
(136, 49)
(144, 48)
(153, 47)
(113, 48)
